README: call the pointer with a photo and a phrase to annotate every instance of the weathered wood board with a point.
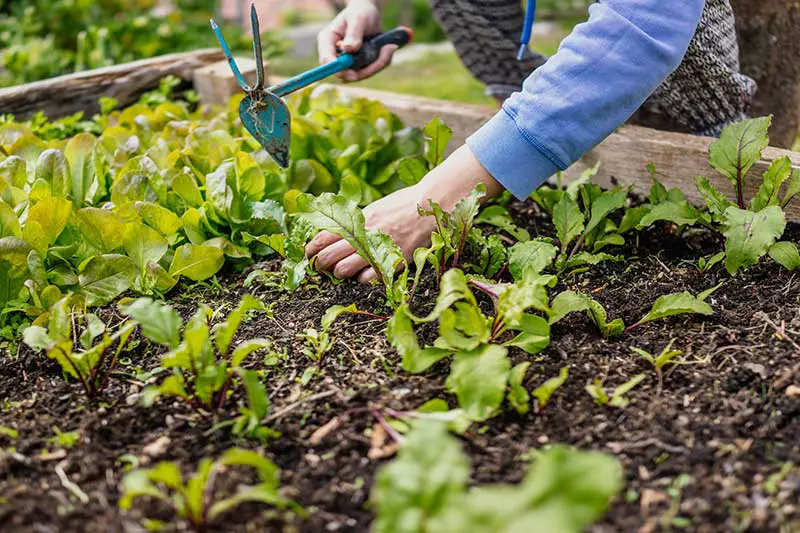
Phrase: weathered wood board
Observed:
(65, 95)
(215, 83)
(678, 157)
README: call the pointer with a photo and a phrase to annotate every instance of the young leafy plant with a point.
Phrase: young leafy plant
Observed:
(426, 488)
(570, 302)
(480, 370)
(581, 214)
(545, 391)
(617, 397)
(195, 499)
(250, 422)
(751, 229)
(83, 355)
(453, 229)
(679, 303)
(665, 357)
(205, 364)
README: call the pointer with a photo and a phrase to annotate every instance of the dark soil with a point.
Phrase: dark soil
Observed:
(723, 423)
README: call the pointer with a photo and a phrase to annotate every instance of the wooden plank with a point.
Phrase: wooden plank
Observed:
(215, 83)
(678, 157)
(65, 95)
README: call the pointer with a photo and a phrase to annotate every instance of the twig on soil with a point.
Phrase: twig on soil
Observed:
(780, 330)
(292, 406)
(69, 485)
(618, 447)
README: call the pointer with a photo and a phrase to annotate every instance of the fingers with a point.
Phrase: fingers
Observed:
(349, 266)
(354, 33)
(327, 39)
(383, 61)
(367, 276)
(330, 256)
(320, 242)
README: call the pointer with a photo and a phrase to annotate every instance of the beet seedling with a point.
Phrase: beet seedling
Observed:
(480, 371)
(544, 391)
(666, 357)
(204, 363)
(426, 488)
(617, 397)
(753, 229)
(81, 355)
(195, 499)
(581, 214)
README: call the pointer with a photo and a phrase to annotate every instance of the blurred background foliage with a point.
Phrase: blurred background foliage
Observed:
(44, 38)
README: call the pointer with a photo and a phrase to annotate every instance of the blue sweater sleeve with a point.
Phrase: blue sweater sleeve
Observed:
(602, 73)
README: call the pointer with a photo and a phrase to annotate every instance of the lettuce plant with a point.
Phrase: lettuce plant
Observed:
(153, 193)
(204, 362)
(195, 499)
(426, 488)
(88, 355)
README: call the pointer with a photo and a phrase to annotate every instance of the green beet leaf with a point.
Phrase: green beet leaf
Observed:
(679, 303)
(568, 219)
(478, 378)
(159, 322)
(499, 217)
(545, 391)
(518, 397)
(534, 334)
(679, 213)
(570, 301)
(716, 202)
(530, 257)
(401, 335)
(604, 205)
(196, 262)
(224, 332)
(738, 149)
(749, 235)
(429, 476)
(785, 254)
(778, 172)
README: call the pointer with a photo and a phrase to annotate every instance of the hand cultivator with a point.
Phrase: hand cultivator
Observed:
(264, 113)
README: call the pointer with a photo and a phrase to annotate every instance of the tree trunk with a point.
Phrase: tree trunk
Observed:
(769, 43)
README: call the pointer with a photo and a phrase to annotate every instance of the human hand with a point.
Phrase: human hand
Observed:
(347, 31)
(397, 215)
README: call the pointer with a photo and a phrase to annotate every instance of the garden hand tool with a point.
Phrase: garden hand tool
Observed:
(265, 114)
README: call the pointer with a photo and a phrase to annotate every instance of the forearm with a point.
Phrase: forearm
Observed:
(600, 76)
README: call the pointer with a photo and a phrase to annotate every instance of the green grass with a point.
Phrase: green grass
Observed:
(435, 75)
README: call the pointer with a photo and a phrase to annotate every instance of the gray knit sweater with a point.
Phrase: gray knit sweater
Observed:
(706, 93)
